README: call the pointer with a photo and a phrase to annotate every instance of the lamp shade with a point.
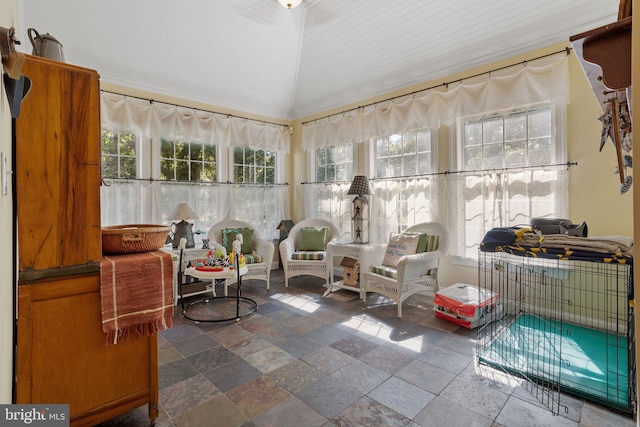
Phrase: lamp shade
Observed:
(183, 212)
(359, 185)
(289, 4)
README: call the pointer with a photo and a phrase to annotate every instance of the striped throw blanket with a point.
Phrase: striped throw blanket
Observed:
(136, 293)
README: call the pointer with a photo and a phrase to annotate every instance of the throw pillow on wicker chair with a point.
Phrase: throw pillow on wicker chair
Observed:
(313, 239)
(229, 235)
(400, 245)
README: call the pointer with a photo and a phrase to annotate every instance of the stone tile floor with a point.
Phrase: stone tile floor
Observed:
(305, 360)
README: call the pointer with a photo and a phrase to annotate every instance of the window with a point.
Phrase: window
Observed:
(406, 201)
(254, 166)
(334, 163)
(508, 177)
(118, 154)
(187, 161)
(404, 154)
(511, 140)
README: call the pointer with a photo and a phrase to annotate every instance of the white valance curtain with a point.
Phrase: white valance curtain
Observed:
(157, 120)
(546, 80)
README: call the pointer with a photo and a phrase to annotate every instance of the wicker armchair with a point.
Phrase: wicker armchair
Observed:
(263, 248)
(415, 273)
(296, 262)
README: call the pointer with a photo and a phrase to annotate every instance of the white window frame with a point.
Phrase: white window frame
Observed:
(226, 172)
(372, 155)
(558, 141)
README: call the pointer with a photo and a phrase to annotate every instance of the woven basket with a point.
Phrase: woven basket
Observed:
(133, 238)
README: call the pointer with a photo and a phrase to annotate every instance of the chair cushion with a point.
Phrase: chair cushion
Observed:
(383, 270)
(252, 258)
(399, 246)
(229, 235)
(308, 255)
(312, 238)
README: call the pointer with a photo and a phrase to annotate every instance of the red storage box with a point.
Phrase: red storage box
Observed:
(465, 305)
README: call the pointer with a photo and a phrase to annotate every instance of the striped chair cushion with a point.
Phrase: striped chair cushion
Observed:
(384, 270)
(308, 255)
(252, 258)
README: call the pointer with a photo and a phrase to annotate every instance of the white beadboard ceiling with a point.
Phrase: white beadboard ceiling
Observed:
(257, 57)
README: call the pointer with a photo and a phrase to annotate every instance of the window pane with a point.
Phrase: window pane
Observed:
(492, 130)
(182, 150)
(514, 139)
(249, 166)
(515, 153)
(118, 154)
(404, 154)
(334, 163)
(515, 126)
(540, 123)
(128, 167)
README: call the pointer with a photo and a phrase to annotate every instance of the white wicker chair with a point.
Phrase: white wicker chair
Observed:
(415, 273)
(264, 248)
(289, 246)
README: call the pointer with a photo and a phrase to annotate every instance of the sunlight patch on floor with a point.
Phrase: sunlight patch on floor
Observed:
(300, 302)
(375, 328)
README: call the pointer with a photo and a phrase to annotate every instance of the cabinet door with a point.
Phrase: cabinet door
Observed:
(58, 167)
(62, 357)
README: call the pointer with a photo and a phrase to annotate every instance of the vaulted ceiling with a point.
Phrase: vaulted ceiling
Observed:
(257, 57)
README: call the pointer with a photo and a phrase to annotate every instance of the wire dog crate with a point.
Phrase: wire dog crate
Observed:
(564, 326)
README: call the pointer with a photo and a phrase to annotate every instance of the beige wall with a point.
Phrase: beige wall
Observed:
(8, 19)
(594, 194)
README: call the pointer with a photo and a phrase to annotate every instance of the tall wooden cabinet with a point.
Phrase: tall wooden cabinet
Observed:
(61, 352)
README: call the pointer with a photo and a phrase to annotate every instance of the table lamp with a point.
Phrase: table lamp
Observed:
(360, 205)
(183, 229)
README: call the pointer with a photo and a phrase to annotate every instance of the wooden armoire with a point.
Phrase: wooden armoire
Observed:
(61, 351)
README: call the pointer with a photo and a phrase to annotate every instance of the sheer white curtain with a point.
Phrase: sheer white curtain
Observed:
(545, 80)
(501, 199)
(159, 120)
(262, 206)
(330, 201)
(398, 203)
(145, 201)
(468, 205)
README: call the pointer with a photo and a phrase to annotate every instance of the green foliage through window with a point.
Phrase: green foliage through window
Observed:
(187, 161)
(403, 154)
(254, 166)
(119, 154)
(334, 163)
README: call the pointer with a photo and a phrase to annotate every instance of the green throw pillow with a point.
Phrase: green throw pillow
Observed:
(312, 238)
(229, 235)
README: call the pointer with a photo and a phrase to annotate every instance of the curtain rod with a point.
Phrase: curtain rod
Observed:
(151, 101)
(566, 50)
(171, 181)
(469, 172)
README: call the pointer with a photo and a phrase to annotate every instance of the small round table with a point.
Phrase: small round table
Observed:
(226, 273)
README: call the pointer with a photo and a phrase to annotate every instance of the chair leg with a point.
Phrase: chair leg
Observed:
(400, 310)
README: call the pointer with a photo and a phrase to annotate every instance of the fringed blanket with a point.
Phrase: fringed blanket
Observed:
(137, 294)
(524, 242)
